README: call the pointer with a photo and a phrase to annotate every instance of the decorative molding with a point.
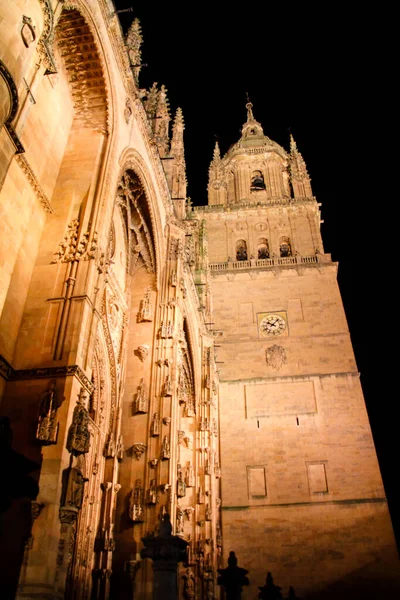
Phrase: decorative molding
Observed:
(11, 374)
(12, 90)
(35, 185)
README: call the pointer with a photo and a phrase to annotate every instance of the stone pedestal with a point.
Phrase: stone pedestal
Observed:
(233, 578)
(166, 551)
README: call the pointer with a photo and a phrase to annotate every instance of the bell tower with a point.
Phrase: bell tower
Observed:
(302, 494)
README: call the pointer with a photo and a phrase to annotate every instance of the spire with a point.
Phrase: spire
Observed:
(293, 145)
(161, 122)
(252, 128)
(217, 153)
(299, 177)
(133, 41)
(178, 189)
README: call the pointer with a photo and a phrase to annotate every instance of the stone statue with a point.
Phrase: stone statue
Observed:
(136, 508)
(179, 520)
(167, 389)
(181, 485)
(155, 425)
(78, 435)
(190, 478)
(189, 585)
(146, 309)
(140, 404)
(165, 449)
(73, 487)
(152, 492)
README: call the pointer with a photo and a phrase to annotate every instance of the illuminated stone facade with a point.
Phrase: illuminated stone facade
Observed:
(157, 358)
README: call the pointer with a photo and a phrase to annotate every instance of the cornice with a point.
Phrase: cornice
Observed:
(11, 374)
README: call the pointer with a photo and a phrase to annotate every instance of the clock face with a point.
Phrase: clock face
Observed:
(272, 325)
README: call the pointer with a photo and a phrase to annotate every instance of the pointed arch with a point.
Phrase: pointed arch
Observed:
(133, 162)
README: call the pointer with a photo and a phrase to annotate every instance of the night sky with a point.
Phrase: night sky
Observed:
(322, 76)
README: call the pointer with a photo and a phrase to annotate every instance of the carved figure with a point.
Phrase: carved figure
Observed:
(179, 520)
(200, 496)
(167, 389)
(152, 492)
(189, 442)
(190, 478)
(109, 449)
(140, 403)
(165, 449)
(181, 485)
(155, 425)
(74, 483)
(189, 585)
(120, 450)
(47, 427)
(78, 435)
(136, 508)
(143, 351)
(146, 309)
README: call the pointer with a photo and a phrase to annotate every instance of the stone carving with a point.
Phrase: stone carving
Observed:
(200, 495)
(189, 407)
(47, 427)
(155, 425)
(120, 450)
(28, 33)
(107, 538)
(275, 357)
(179, 520)
(173, 279)
(140, 403)
(138, 449)
(167, 387)
(146, 309)
(73, 487)
(209, 584)
(208, 513)
(133, 41)
(218, 537)
(181, 434)
(143, 351)
(153, 463)
(136, 507)
(166, 420)
(165, 449)
(190, 477)
(109, 448)
(128, 111)
(189, 584)
(152, 492)
(180, 485)
(207, 382)
(189, 512)
(67, 247)
(78, 440)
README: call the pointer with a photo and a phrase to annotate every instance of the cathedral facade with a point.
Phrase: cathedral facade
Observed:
(164, 359)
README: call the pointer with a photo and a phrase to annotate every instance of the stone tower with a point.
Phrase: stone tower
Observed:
(302, 494)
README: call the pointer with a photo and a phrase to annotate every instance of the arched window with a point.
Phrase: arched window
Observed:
(285, 247)
(262, 248)
(241, 250)
(257, 181)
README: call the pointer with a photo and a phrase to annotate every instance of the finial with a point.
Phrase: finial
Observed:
(217, 153)
(249, 106)
(293, 145)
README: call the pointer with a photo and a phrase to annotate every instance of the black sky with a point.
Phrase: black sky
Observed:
(320, 73)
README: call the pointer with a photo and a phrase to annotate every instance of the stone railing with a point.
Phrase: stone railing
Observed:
(266, 263)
